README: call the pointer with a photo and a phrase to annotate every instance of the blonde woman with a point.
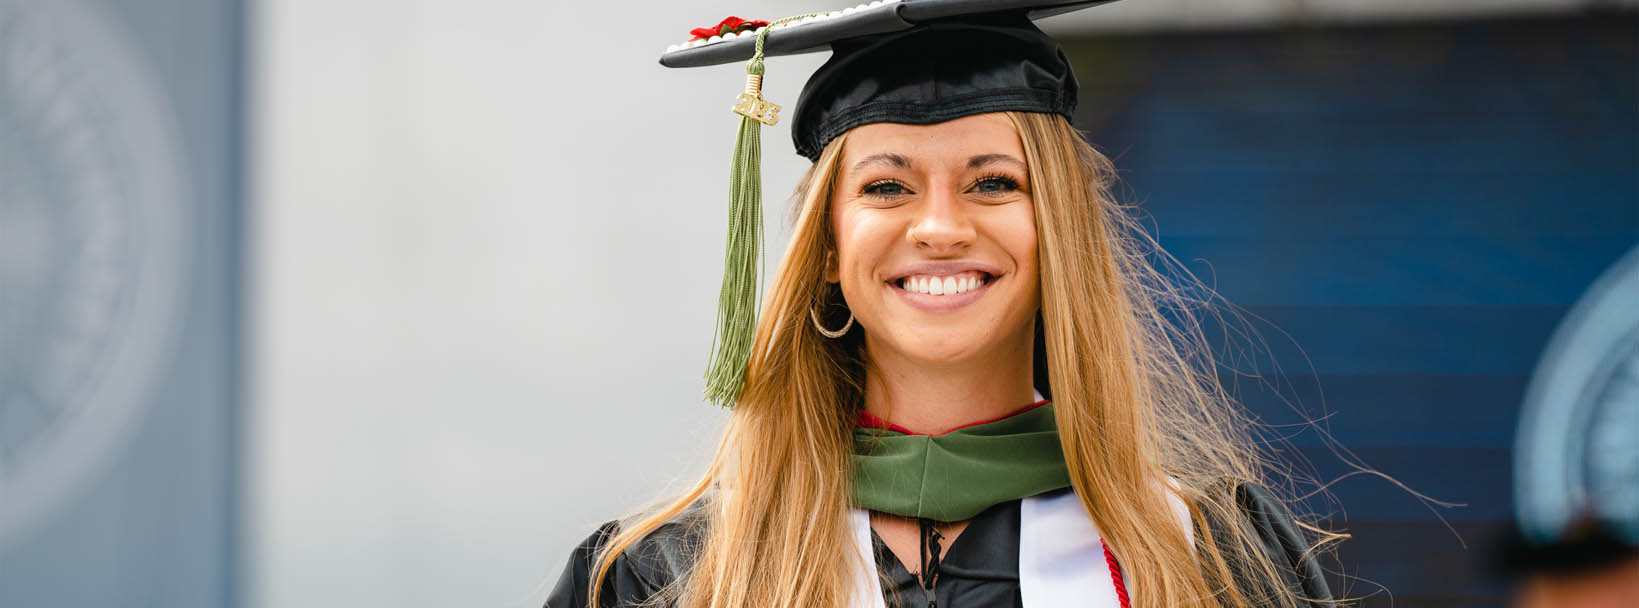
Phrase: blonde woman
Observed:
(967, 385)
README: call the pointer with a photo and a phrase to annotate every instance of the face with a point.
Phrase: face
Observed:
(936, 239)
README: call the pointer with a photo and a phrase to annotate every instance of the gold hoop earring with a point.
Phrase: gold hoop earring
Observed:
(812, 314)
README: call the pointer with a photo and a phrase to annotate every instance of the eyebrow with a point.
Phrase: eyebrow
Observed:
(887, 158)
(988, 159)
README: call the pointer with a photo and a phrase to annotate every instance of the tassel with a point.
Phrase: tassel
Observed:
(737, 301)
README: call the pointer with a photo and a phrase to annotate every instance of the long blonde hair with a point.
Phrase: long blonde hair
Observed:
(1137, 400)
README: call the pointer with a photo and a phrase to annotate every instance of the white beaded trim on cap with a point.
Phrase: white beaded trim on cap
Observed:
(789, 24)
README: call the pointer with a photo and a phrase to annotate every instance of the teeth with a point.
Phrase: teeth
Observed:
(942, 286)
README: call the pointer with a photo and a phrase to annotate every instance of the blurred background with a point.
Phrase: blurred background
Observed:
(380, 303)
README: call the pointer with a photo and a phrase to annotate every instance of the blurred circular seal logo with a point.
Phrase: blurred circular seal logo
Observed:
(1577, 456)
(92, 240)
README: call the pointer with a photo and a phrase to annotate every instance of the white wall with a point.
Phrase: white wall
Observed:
(487, 241)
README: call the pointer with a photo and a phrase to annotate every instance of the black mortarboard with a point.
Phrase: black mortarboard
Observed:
(899, 61)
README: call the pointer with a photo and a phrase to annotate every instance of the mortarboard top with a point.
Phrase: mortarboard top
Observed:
(898, 61)
(815, 33)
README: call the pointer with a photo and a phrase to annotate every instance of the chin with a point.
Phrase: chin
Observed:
(939, 352)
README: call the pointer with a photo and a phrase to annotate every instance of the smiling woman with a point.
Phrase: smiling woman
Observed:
(968, 386)
(935, 241)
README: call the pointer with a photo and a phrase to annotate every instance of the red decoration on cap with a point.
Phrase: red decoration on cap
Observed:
(729, 25)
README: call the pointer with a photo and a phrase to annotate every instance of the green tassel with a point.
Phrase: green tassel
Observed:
(737, 301)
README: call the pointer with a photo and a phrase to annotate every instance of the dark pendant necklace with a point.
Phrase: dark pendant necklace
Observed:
(930, 550)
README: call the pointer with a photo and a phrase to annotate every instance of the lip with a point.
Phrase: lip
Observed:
(932, 303)
(943, 269)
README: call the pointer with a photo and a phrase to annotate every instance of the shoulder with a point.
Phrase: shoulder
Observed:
(1280, 537)
(642, 573)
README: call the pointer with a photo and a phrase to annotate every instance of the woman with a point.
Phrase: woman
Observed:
(956, 261)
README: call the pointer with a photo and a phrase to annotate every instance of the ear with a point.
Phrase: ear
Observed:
(833, 274)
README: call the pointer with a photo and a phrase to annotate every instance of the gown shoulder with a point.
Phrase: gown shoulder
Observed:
(642, 575)
(1282, 541)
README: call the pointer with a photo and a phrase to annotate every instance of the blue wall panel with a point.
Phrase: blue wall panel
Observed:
(1406, 212)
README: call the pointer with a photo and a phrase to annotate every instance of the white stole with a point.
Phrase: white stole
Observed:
(1061, 555)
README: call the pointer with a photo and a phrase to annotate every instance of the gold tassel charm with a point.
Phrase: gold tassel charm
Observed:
(751, 104)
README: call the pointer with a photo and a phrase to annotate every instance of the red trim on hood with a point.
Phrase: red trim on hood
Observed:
(869, 420)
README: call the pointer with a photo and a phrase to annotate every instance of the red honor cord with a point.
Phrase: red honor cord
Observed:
(1115, 576)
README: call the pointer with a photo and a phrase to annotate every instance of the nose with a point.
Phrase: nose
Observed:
(941, 224)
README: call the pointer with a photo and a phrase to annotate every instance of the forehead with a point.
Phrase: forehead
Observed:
(949, 143)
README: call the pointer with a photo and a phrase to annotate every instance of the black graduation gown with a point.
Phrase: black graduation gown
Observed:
(980, 568)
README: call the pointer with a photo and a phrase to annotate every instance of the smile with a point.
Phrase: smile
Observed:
(942, 293)
(944, 286)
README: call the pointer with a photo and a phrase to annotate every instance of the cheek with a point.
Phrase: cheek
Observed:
(1018, 235)
(862, 238)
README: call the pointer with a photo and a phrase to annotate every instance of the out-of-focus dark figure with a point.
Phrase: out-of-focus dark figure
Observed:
(1577, 458)
(1589, 566)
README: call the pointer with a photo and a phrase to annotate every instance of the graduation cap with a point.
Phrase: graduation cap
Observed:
(901, 61)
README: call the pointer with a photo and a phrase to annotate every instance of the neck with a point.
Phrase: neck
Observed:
(931, 398)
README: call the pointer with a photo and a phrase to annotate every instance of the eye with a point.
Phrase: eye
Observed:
(886, 188)
(994, 184)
